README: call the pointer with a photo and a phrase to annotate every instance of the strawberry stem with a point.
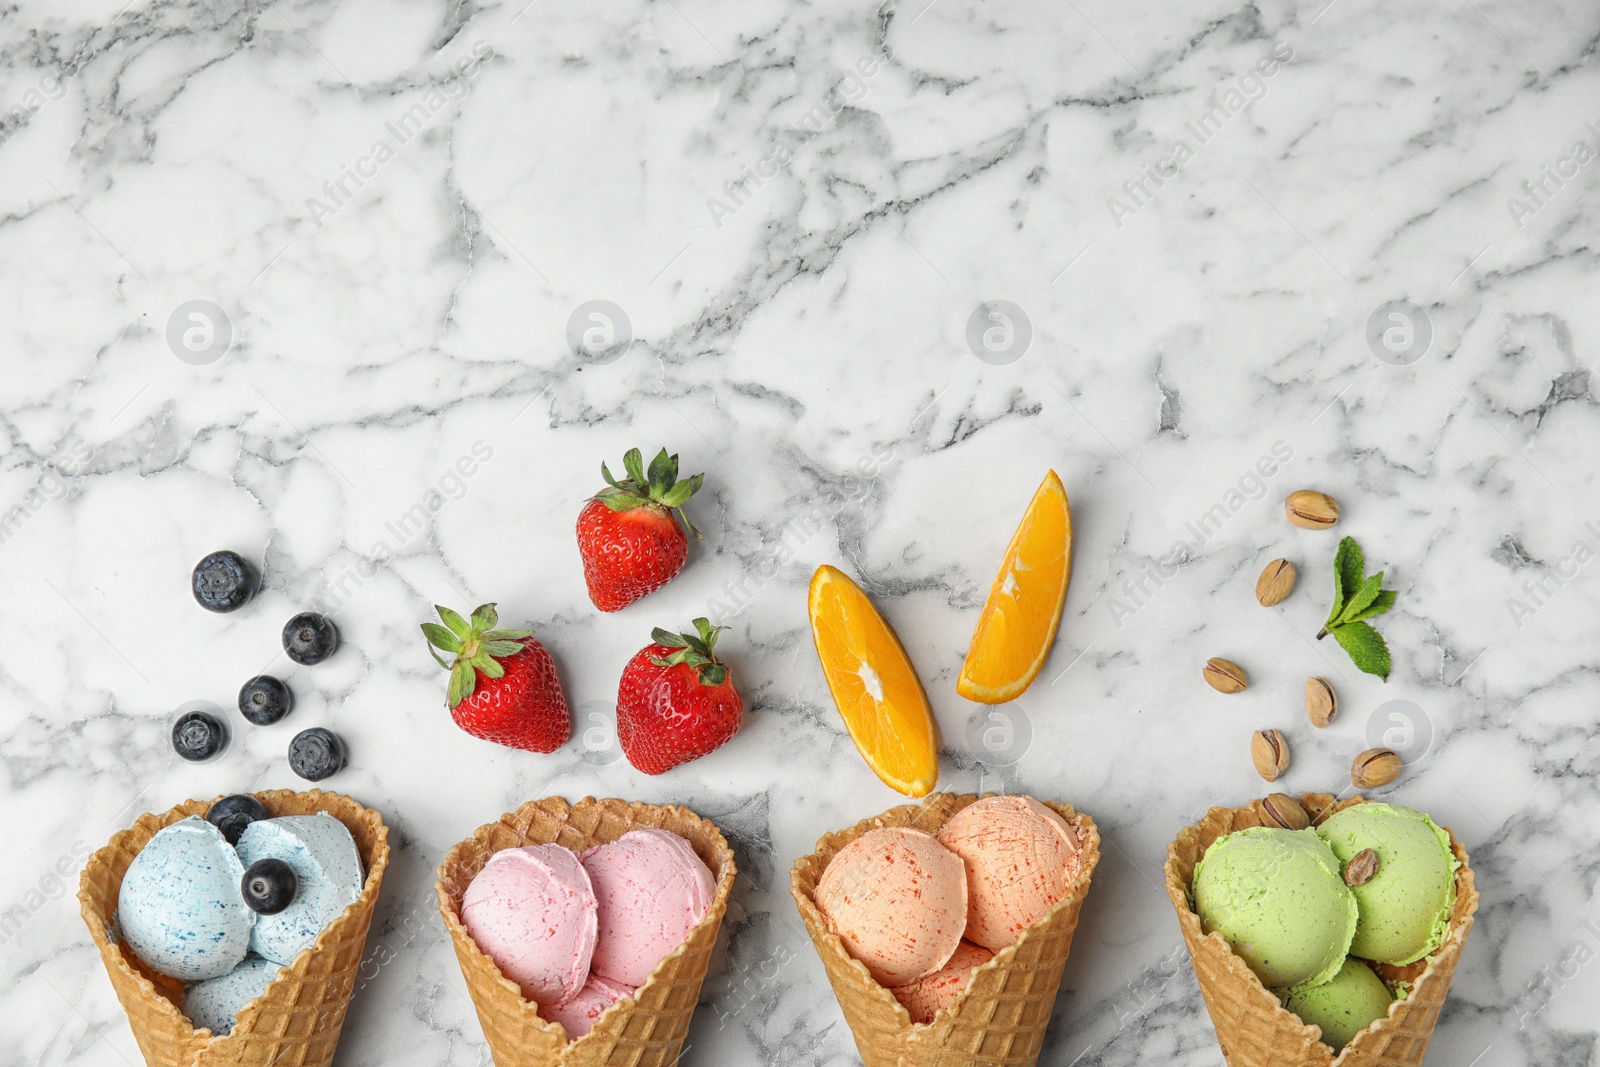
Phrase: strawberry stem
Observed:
(697, 650)
(656, 487)
(475, 645)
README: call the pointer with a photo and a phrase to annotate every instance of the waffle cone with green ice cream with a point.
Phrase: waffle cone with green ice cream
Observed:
(1278, 898)
(1405, 906)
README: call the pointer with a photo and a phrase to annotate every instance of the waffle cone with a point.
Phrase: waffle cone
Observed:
(296, 1022)
(1000, 1021)
(1253, 1028)
(645, 1030)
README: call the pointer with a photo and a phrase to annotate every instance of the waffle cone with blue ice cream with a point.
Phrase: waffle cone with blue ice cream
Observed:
(294, 1021)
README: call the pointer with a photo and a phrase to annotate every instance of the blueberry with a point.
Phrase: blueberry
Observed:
(315, 754)
(268, 886)
(199, 735)
(310, 638)
(264, 700)
(232, 814)
(223, 581)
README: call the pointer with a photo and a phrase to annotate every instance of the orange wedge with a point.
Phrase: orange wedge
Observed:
(873, 684)
(1023, 612)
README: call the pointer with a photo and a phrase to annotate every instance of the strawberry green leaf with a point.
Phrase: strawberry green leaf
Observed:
(633, 463)
(458, 626)
(1366, 647)
(713, 674)
(488, 665)
(663, 470)
(484, 618)
(620, 499)
(438, 636)
(1380, 604)
(506, 635)
(463, 680)
(501, 648)
(668, 638)
(606, 474)
(440, 660)
(1364, 594)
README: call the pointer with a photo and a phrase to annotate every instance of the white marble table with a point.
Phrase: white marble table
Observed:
(396, 211)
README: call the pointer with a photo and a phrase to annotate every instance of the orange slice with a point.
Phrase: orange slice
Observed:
(1023, 612)
(873, 684)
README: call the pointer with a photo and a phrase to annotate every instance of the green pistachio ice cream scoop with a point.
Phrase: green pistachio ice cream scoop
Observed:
(1344, 1006)
(1405, 905)
(1278, 898)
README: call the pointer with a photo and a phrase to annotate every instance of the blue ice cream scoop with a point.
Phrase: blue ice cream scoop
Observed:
(180, 909)
(328, 879)
(212, 1004)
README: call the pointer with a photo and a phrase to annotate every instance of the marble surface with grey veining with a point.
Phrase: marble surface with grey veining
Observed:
(316, 281)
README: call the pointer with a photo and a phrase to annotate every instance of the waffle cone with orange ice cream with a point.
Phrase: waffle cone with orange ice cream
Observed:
(963, 1006)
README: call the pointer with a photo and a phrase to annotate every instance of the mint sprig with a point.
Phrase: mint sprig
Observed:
(1356, 598)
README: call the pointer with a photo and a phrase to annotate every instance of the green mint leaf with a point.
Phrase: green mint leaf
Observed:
(1364, 594)
(1382, 603)
(1366, 648)
(1347, 567)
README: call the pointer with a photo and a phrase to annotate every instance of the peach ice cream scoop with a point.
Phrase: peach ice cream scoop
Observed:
(924, 997)
(897, 899)
(1019, 858)
(532, 910)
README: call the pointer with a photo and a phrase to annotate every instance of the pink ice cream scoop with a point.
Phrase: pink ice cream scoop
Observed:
(533, 911)
(652, 890)
(924, 997)
(1019, 856)
(578, 1015)
(898, 900)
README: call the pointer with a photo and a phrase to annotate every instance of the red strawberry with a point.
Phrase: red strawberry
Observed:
(677, 700)
(627, 536)
(503, 684)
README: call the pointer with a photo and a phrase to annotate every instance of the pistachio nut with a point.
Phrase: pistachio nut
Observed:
(1224, 675)
(1269, 750)
(1275, 583)
(1362, 866)
(1311, 510)
(1321, 704)
(1374, 767)
(1285, 812)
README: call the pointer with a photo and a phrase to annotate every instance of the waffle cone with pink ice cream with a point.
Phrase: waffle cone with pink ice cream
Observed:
(945, 926)
(580, 931)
